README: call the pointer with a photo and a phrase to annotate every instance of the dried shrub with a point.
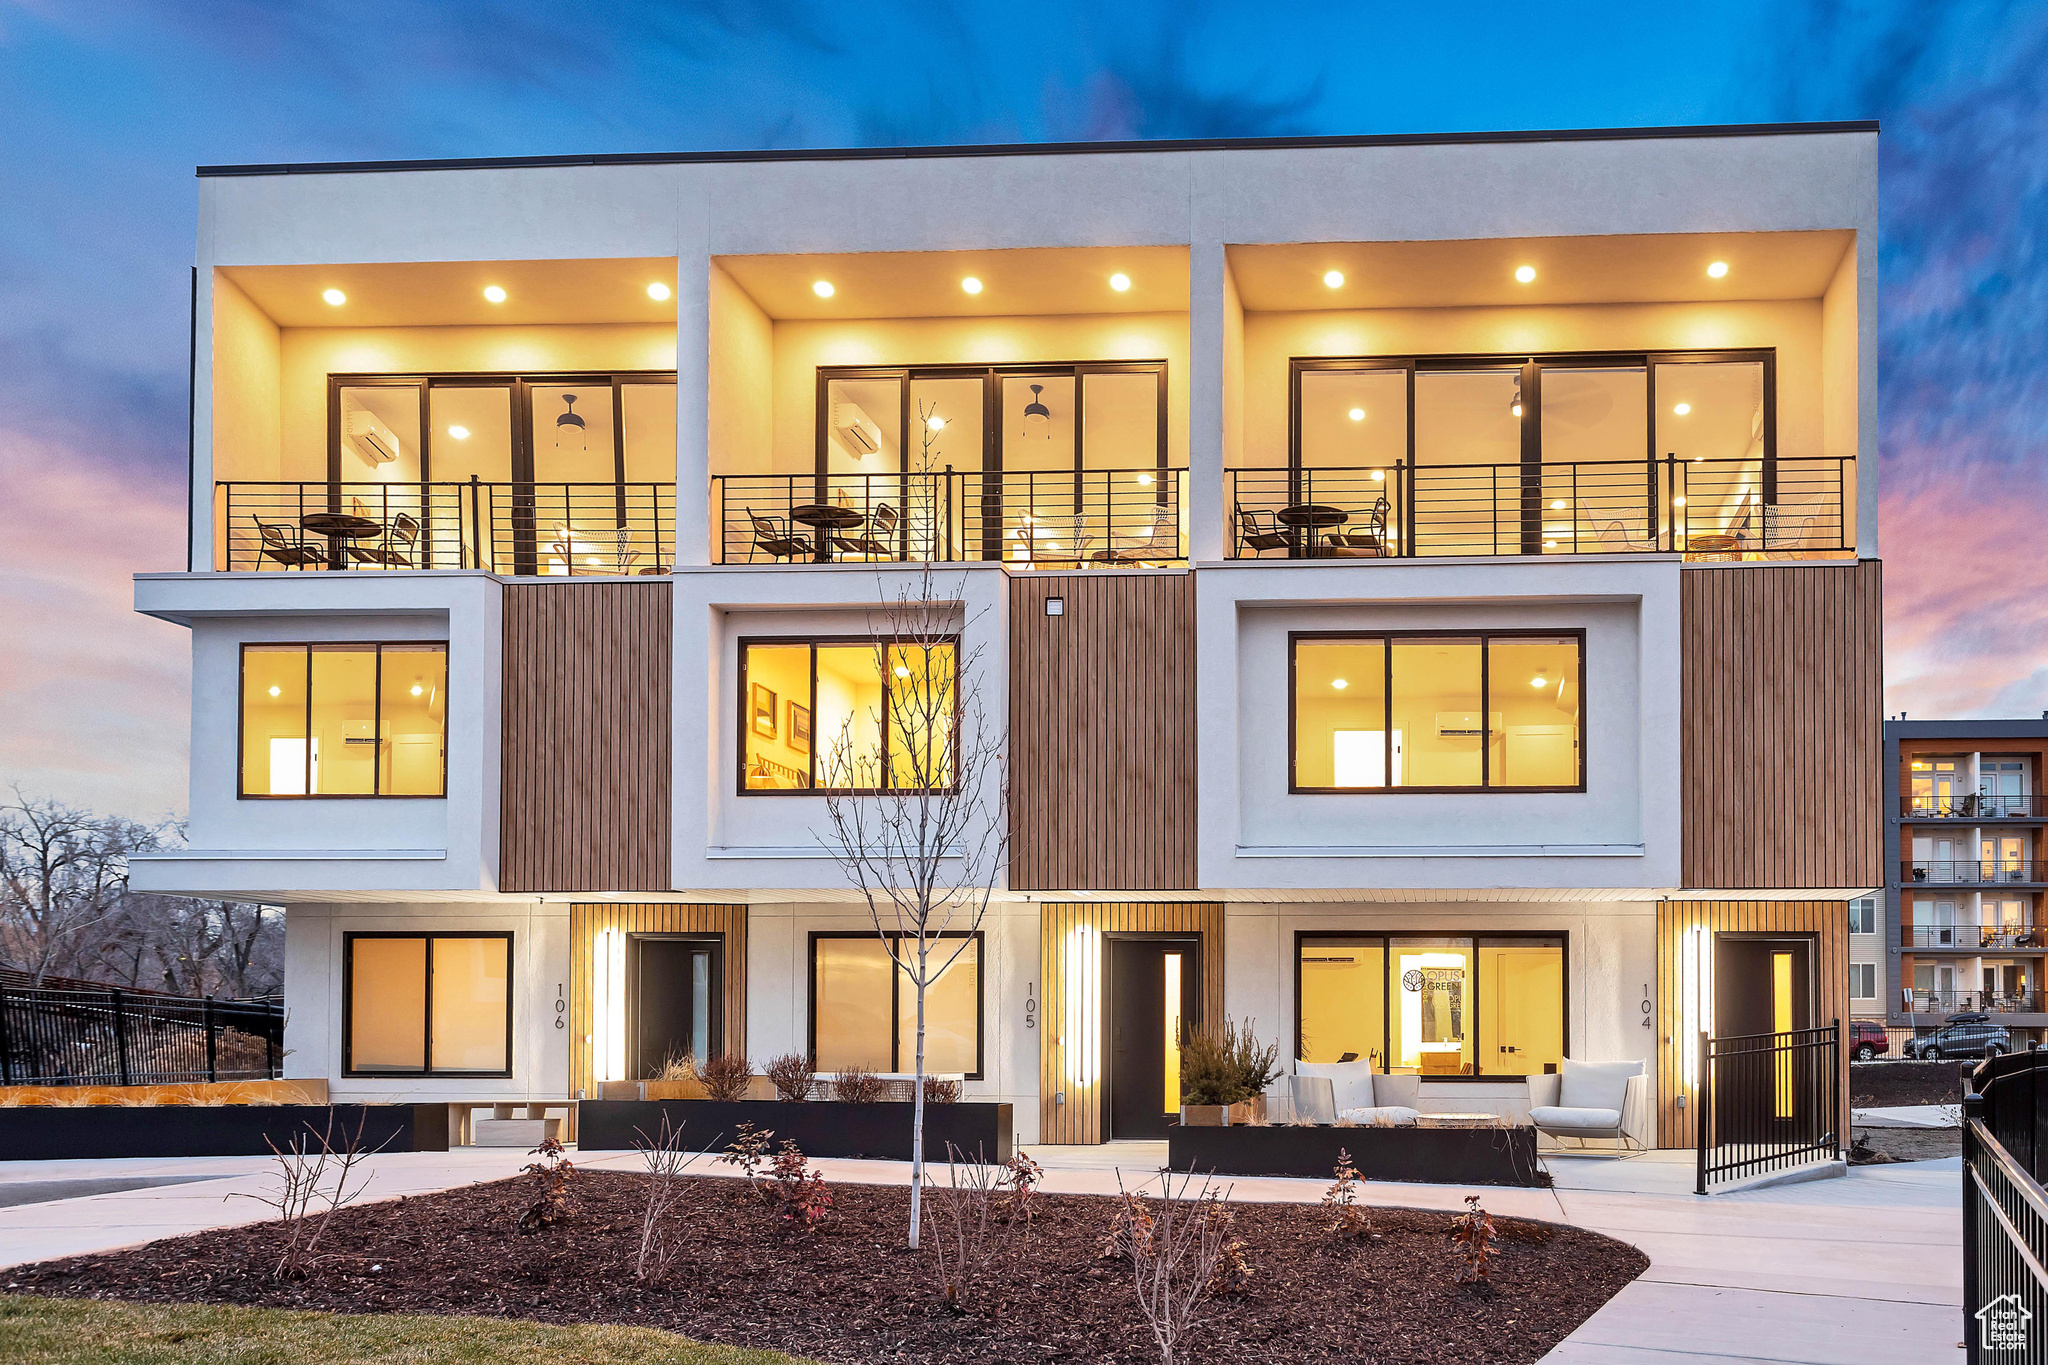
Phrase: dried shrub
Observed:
(937, 1091)
(673, 1069)
(1129, 1227)
(725, 1076)
(1348, 1218)
(1021, 1175)
(1475, 1237)
(304, 1165)
(661, 1241)
(791, 1075)
(1173, 1267)
(748, 1150)
(968, 1235)
(551, 1175)
(1233, 1273)
(858, 1085)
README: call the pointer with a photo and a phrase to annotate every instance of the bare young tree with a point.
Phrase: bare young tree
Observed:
(63, 871)
(1173, 1265)
(916, 797)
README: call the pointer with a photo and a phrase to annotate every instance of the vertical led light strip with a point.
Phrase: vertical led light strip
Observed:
(1698, 1013)
(608, 1006)
(1084, 1005)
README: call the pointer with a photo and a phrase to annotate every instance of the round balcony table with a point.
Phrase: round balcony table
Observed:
(1714, 545)
(1310, 517)
(340, 527)
(824, 518)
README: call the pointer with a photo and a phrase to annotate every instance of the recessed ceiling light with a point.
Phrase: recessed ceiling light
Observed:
(1550, 545)
(1120, 282)
(1339, 684)
(1358, 414)
(1334, 278)
(936, 422)
(1717, 270)
(971, 285)
(494, 293)
(1557, 504)
(334, 296)
(1678, 502)
(1379, 476)
(1144, 481)
(459, 433)
(417, 689)
(275, 690)
(823, 289)
(657, 291)
(1539, 681)
(1525, 273)
(1681, 408)
(901, 671)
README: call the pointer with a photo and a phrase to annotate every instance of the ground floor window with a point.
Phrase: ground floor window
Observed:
(864, 1005)
(427, 1004)
(1863, 981)
(1432, 1005)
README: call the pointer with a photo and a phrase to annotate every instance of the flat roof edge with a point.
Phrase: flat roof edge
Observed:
(1046, 148)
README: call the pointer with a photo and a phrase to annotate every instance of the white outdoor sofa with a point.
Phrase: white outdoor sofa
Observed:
(1588, 1100)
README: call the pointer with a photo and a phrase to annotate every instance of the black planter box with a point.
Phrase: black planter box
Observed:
(1433, 1156)
(51, 1132)
(820, 1127)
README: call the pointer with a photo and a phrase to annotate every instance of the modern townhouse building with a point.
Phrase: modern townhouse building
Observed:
(1963, 877)
(1425, 590)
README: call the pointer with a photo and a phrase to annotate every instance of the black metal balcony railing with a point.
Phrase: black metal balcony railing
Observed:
(1980, 1002)
(1973, 937)
(1974, 806)
(507, 528)
(1045, 519)
(1966, 871)
(1707, 508)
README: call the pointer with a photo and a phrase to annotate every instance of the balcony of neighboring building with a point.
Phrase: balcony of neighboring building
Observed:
(1027, 407)
(1971, 788)
(1686, 394)
(517, 417)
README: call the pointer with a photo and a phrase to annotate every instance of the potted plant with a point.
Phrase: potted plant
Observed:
(1224, 1073)
(1255, 1068)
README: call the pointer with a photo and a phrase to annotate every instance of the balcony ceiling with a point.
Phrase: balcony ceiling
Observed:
(1569, 270)
(450, 293)
(1043, 282)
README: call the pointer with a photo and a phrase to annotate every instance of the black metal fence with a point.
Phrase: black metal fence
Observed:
(53, 1037)
(2005, 1210)
(1768, 1102)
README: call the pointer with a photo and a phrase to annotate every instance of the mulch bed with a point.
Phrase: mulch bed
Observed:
(1874, 1085)
(849, 1291)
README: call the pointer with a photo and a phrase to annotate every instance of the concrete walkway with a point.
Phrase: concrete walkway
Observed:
(1865, 1270)
(1908, 1116)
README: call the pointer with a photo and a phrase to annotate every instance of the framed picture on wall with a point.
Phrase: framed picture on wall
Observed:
(764, 711)
(800, 728)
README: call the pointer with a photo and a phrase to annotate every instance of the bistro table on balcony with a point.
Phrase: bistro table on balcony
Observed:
(824, 518)
(339, 527)
(1310, 517)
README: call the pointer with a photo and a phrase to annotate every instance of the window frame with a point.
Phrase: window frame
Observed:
(348, 995)
(377, 691)
(896, 979)
(1856, 915)
(1485, 638)
(1473, 937)
(743, 702)
(1875, 984)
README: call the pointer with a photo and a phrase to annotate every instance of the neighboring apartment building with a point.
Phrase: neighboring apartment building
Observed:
(1962, 901)
(1426, 589)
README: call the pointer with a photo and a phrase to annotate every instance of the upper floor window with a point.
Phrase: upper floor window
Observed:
(846, 715)
(1414, 712)
(344, 720)
(1863, 915)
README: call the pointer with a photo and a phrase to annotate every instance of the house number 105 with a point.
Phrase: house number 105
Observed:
(1031, 1004)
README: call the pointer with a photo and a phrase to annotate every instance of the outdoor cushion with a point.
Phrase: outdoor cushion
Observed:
(1352, 1081)
(1385, 1113)
(1550, 1117)
(1596, 1085)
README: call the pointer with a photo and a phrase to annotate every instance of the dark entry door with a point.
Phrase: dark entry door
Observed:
(1762, 985)
(1153, 995)
(676, 1006)
(1763, 1092)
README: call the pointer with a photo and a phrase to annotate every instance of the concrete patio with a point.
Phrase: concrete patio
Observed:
(1865, 1270)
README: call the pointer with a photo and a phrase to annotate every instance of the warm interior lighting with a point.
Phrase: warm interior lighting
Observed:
(1557, 504)
(1717, 270)
(417, 689)
(971, 285)
(1357, 414)
(658, 292)
(1120, 282)
(1145, 481)
(937, 423)
(1525, 273)
(334, 296)
(275, 690)
(459, 433)
(1516, 407)
(822, 288)
(901, 671)
(1334, 278)
(494, 293)
(1681, 409)
(1379, 476)
(1539, 681)
(592, 560)
(1678, 502)
(1550, 545)
(1339, 683)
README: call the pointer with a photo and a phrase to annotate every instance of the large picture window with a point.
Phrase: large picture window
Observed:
(1436, 713)
(864, 1005)
(846, 715)
(1432, 1005)
(344, 720)
(427, 1004)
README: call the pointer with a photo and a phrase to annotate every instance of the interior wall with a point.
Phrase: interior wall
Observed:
(247, 365)
(311, 354)
(1792, 326)
(801, 347)
(1233, 371)
(1838, 362)
(741, 363)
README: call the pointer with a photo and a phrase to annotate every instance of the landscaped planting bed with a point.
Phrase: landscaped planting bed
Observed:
(849, 1291)
(1874, 1085)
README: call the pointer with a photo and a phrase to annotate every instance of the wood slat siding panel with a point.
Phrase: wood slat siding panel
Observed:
(1828, 924)
(585, 921)
(587, 723)
(1079, 1033)
(1781, 727)
(1102, 733)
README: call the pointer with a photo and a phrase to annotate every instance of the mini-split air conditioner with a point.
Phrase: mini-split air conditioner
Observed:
(1463, 724)
(856, 430)
(372, 440)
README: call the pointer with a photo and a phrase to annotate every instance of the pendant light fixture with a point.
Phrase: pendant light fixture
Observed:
(1037, 416)
(567, 421)
(1515, 407)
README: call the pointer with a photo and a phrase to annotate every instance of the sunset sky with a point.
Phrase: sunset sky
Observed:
(106, 107)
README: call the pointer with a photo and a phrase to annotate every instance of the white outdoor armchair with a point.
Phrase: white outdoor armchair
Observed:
(1588, 1100)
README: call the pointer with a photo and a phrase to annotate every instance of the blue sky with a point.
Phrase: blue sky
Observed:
(106, 108)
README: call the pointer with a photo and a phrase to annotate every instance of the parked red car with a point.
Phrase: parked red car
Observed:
(1868, 1039)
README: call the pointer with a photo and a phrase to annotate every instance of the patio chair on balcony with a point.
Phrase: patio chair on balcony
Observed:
(1588, 1100)
(1365, 538)
(288, 546)
(1259, 532)
(873, 541)
(1159, 540)
(1061, 539)
(778, 536)
(396, 550)
(1615, 538)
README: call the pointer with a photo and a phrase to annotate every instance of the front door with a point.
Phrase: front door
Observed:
(1762, 986)
(1153, 999)
(676, 1007)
